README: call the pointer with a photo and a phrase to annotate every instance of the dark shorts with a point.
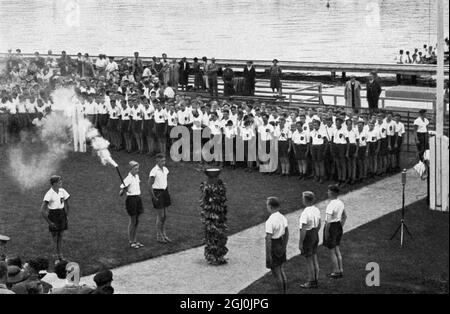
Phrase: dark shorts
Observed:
(335, 235)
(160, 130)
(133, 205)
(362, 152)
(103, 119)
(340, 150)
(59, 218)
(124, 126)
(113, 125)
(136, 126)
(283, 147)
(148, 127)
(399, 145)
(278, 253)
(372, 148)
(300, 151)
(317, 152)
(162, 199)
(351, 151)
(383, 147)
(310, 243)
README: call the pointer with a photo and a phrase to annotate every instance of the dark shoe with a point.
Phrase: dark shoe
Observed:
(309, 285)
(335, 275)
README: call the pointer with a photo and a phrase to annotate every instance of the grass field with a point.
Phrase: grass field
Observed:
(97, 232)
(420, 266)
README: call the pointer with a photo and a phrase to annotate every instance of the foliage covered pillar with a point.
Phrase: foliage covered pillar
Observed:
(214, 217)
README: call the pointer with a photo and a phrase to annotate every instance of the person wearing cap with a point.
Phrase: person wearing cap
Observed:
(159, 192)
(55, 210)
(4, 279)
(421, 133)
(277, 237)
(333, 230)
(34, 268)
(133, 202)
(309, 225)
(249, 74)
(103, 280)
(275, 77)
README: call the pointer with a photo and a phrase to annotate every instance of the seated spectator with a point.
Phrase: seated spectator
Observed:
(72, 286)
(103, 280)
(4, 279)
(58, 278)
(33, 267)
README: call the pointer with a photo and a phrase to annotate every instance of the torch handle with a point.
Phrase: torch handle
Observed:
(120, 176)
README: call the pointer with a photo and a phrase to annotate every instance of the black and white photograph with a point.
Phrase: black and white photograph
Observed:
(224, 152)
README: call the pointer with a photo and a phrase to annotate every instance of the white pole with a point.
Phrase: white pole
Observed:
(439, 100)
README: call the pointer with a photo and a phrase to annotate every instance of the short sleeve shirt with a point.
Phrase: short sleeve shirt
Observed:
(421, 124)
(310, 217)
(276, 225)
(335, 209)
(160, 176)
(56, 199)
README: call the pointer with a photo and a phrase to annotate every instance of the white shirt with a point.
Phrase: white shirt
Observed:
(351, 135)
(335, 209)
(216, 127)
(400, 129)
(169, 92)
(160, 116)
(390, 127)
(184, 117)
(318, 136)
(300, 138)
(160, 176)
(329, 130)
(266, 132)
(56, 200)
(310, 217)
(148, 112)
(422, 125)
(339, 136)
(361, 137)
(132, 184)
(276, 225)
(247, 133)
(283, 134)
(125, 113)
(172, 119)
(230, 132)
(373, 136)
(112, 66)
(382, 128)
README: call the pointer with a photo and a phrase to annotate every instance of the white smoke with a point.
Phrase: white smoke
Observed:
(32, 165)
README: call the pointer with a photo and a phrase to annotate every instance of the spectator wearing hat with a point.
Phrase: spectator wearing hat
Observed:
(184, 73)
(33, 267)
(352, 93)
(103, 280)
(373, 92)
(275, 77)
(309, 225)
(55, 210)
(4, 279)
(249, 79)
(333, 230)
(133, 203)
(15, 275)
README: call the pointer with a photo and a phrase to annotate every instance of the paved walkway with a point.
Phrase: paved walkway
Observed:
(187, 272)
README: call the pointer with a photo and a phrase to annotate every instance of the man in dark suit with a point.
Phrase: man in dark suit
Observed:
(373, 92)
(137, 67)
(249, 79)
(184, 73)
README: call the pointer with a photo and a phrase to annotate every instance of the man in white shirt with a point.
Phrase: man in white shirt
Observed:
(421, 132)
(160, 196)
(133, 202)
(333, 230)
(55, 210)
(277, 237)
(309, 225)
